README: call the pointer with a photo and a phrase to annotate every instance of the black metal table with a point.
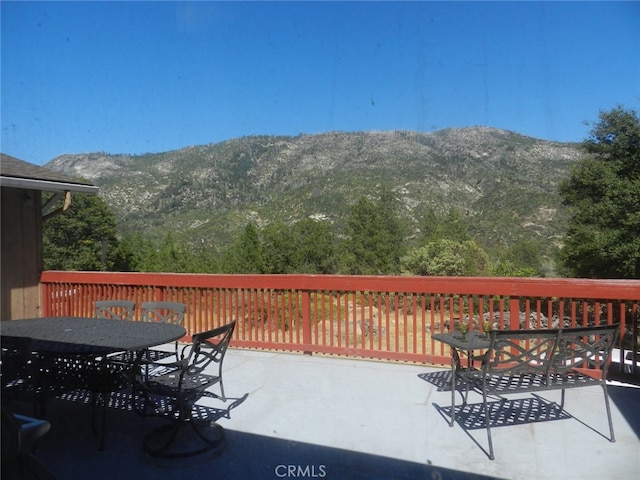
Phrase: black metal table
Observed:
(91, 335)
(467, 345)
(72, 352)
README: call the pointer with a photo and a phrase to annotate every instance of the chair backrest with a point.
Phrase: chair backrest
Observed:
(166, 312)
(518, 352)
(115, 309)
(586, 347)
(552, 351)
(210, 347)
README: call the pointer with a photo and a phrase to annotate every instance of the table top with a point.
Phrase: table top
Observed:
(474, 340)
(99, 335)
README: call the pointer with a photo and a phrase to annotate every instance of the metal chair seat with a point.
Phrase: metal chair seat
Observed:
(189, 384)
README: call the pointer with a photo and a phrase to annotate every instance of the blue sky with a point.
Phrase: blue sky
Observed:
(140, 77)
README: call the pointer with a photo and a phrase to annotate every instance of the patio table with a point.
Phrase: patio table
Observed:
(469, 343)
(91, 335)
(72, 352)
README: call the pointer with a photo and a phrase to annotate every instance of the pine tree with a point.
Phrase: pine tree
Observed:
(603, 196)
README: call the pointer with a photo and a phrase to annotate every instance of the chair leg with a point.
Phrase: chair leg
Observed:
(103, 429)
(453, 393)
(163, 442)
(104, 400)
(487, 423)
(167, 433)
(608, 408)
(466, 393)
(212, 435)
(222, 395)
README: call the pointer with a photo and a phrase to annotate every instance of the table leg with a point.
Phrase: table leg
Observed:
(455, 364)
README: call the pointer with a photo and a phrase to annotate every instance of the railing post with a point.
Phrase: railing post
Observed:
(306, 321)
(514, 313)
(45, 299)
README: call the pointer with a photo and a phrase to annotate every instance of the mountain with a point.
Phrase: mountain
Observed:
(504, 182)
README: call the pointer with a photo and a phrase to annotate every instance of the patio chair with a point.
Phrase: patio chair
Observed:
(174, 392)
(168, 312)
(115, 309)
(19, 437)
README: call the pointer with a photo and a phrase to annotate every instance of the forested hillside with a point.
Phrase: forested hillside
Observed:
(504, 185)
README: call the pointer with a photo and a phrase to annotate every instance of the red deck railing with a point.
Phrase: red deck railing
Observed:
(390, 318)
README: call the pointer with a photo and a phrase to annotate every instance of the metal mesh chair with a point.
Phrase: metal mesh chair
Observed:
(168, 312)
(19, 436)
(519, 361)
(115, 309)
(183, 383)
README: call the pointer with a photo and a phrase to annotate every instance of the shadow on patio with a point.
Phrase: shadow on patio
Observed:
(531, 408)
(297, 416)
(70, 452)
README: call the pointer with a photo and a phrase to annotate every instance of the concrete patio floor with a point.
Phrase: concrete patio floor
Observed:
(297, 416)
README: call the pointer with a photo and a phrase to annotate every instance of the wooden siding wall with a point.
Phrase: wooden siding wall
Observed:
(21, 253)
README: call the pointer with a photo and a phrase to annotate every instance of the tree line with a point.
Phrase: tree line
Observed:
(375, 242)
(602, 240)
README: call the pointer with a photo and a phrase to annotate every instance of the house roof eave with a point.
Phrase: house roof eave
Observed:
(47, 186)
